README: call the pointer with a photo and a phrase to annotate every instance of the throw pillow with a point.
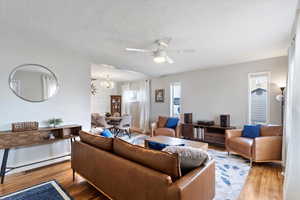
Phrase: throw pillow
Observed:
(172, 122)
(189, 157)
(107, 133)
(159, 146)
(251, 131)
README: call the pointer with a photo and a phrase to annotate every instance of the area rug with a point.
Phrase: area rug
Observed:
(231, 171)
(231, 174)
(48, 191)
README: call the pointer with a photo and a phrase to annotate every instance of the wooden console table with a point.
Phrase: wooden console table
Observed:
(24, 139)
(211, 134)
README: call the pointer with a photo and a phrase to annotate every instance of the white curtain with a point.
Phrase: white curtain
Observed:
(125, 98)
(292, 130)
(143, 98)
(49, 86)
(288, 102)
(136, 102)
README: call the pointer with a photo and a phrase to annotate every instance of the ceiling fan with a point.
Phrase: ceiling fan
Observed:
(159, 53)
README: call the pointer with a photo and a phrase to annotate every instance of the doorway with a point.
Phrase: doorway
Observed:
(175, 99)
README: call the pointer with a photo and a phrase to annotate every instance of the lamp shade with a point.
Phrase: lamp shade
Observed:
(280, 98)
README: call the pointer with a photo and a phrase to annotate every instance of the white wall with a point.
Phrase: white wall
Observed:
(100, 103)
(224, 90)
(72, 102)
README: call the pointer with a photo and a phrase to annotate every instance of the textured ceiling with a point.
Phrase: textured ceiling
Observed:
(221, 32)
(119, 75)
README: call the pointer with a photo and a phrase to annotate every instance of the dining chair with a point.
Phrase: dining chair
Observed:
(100, 121)
(124, 126)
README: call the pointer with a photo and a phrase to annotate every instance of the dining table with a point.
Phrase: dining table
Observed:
(114, 122)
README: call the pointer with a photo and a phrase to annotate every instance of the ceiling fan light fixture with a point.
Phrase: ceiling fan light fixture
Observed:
(160, 57)
(160, 52)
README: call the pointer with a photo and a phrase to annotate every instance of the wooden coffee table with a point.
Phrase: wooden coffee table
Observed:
(176, 141)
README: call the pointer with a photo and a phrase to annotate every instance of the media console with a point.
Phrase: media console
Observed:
(214, 134)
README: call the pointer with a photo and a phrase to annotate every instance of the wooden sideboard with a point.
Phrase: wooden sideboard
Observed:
(116, 104)
(9, 140)
(211, 134)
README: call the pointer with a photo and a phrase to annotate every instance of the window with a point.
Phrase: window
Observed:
(259, 84)
(175, 95)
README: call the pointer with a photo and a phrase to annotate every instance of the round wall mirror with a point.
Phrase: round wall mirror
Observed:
(33, 82)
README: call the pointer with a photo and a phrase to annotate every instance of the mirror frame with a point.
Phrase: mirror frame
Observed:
(37, 65)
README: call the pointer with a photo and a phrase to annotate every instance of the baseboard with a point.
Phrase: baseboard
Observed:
(39, 165)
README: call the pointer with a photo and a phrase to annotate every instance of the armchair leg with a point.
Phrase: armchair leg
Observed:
(128, 133)
(73, 175)
(251, 162)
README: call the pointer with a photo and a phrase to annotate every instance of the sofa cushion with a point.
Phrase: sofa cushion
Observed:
(241, 145)
(251, 131)
(189, 157)
(162, 121)
(98, 141)
(172, 122)
(161, 161)
(165, 132)
(271, 131)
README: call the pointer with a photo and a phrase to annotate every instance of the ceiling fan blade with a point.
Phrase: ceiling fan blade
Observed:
(169, 60)
(181, 51)
(138, 50)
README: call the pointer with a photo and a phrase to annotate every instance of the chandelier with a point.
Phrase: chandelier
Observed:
(107, 83)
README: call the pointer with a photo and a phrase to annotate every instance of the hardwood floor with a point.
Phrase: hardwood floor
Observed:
(263, 183)
(61, 172)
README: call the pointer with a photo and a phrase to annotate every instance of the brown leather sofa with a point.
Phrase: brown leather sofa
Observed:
(266, 148)
(123, 171)
(159, 128)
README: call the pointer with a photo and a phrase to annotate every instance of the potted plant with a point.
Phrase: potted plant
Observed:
(55, 122)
